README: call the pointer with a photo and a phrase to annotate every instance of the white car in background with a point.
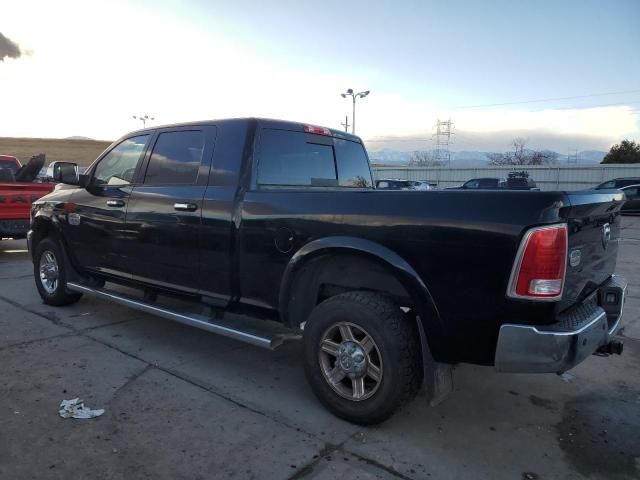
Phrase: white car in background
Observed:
(394, 184)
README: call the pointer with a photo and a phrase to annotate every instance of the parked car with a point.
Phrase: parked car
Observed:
(632, 196)
(17, 191)
(618, 183)
(515, 181)
(393, 184)
(280, 223)
(482, 184)
(493, 183)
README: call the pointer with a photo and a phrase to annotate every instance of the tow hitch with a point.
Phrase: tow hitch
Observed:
(613, 347)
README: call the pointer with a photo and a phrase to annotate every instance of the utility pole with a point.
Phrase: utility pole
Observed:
(443, 132)
(346, 123)
(354, 96)
(572, 156)
(143, 119)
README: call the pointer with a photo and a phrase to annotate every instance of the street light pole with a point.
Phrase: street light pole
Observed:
(354, 96)
(143, 119)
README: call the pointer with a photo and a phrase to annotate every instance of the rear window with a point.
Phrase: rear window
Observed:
(627, 181)
(9, 165)
(353, 166)
(298, 159)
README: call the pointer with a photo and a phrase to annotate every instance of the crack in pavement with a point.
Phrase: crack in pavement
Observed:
(52, 318)
(168, 371)
(36, 340)
(379, 465)
(329, 448)
(201, 386)
(129, 381)
(307, 469)
(71, 333)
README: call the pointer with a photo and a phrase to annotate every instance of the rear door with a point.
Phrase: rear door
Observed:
(488, 183)
(164, 213)
(96, 213)
(303, 182)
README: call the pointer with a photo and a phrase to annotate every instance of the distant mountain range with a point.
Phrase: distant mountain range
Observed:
(472, 158)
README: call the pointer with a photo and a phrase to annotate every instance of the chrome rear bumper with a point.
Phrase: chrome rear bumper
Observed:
(561, 346)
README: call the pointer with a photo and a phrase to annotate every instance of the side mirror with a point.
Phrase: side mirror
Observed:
(66, 172)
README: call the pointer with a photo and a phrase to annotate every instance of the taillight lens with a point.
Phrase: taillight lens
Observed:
(541, 263)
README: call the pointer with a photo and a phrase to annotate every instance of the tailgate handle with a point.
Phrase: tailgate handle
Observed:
(185, 207)
(115, 203)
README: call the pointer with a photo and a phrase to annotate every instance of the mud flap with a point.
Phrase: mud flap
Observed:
(438, 377)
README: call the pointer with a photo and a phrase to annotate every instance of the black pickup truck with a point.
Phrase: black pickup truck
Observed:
(266, 230)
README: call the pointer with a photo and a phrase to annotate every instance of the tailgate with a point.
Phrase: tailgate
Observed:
(593, 219)
(16, 198)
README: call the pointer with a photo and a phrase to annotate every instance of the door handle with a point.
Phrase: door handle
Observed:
(115, 203)
(185, 207)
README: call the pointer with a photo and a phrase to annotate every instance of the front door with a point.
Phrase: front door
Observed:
(96, 213)
(632, 196)
(164, 213)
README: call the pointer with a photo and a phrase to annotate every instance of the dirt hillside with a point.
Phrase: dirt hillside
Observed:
(82, 152)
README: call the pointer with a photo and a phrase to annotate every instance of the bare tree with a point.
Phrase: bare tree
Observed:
(523, 156)
(423, 158)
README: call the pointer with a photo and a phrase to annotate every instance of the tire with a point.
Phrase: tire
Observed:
(49, 260)
(393, 347)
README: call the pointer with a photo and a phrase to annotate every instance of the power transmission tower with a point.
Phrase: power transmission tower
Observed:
(443, 132)
(573, 156)
(346, 124)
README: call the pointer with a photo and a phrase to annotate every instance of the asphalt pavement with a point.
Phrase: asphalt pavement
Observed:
(181, 404)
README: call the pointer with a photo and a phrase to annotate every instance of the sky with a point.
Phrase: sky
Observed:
(561, 74)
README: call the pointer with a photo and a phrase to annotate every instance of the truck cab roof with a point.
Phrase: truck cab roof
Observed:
(261, 122)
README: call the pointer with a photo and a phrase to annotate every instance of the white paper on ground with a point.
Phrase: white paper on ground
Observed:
(75, 408)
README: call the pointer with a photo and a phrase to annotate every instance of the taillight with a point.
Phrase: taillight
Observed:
(541, 263)
(317, 130)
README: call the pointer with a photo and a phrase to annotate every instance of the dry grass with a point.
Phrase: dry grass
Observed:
(82, 152)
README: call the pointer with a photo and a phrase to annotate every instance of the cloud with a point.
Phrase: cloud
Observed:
(559, 130)
(8, 48)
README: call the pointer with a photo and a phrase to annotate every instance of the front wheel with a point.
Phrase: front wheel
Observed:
(50, 274)
(361, 356)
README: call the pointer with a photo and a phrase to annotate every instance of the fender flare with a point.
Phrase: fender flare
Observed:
(401, 269)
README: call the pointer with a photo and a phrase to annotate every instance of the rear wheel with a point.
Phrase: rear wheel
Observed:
(51, 274)
(361, 356)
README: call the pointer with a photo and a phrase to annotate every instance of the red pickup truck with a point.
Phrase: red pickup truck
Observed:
(17, 192)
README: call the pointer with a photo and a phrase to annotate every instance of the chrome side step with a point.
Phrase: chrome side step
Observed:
(259, 333)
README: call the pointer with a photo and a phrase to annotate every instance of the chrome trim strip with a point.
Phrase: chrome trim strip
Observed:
(557, 333)
(191, 320)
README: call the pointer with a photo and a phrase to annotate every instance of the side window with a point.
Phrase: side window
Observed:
(472, 184)
(610, 184)
(292, 159)
(488, 183)
(632, 192)
(353, 166)
(176, 158)
(119, 165)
